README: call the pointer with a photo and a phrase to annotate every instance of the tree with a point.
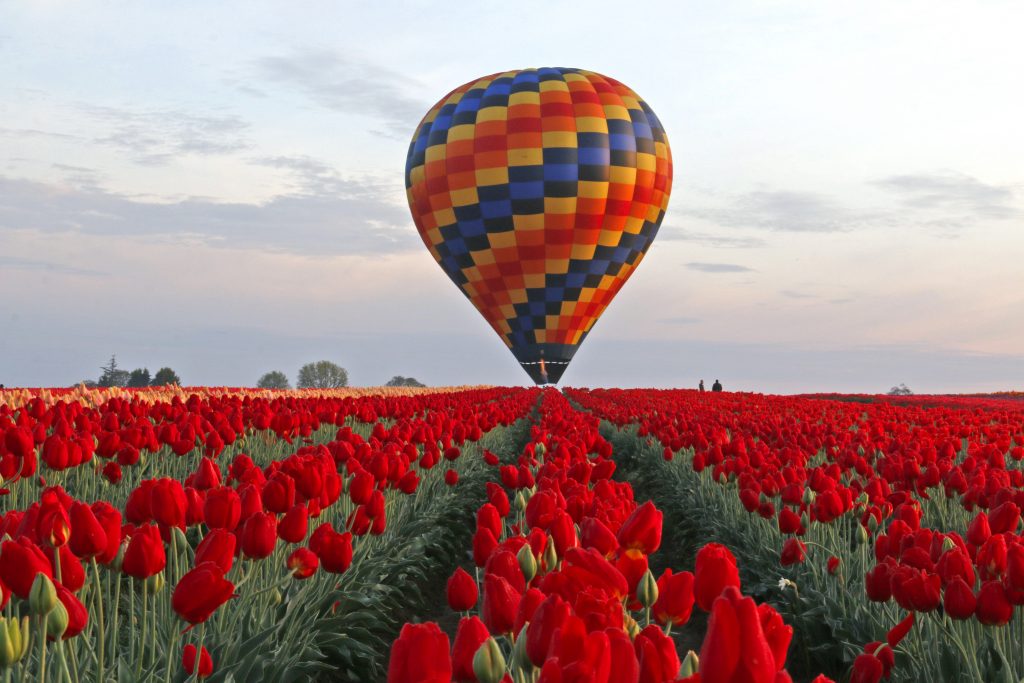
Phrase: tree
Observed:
(165, 376)
(322, 375)
(274, 380)
(399, 381)
(139, 377)
(112, 375)
(901, 390)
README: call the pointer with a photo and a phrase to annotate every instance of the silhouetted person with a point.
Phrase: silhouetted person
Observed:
(701, 387)
(717, 386)
(543, 369)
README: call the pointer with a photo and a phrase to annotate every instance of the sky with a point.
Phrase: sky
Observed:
(218, 188)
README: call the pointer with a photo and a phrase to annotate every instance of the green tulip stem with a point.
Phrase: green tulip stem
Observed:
(62, 657)
(99, 619)
(42, 648)
(170, 654)
(142, 630)
(199, 653)
(116, 578)
(74, 663)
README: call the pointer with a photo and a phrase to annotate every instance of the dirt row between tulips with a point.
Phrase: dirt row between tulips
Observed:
(405, 580)
(639, 462)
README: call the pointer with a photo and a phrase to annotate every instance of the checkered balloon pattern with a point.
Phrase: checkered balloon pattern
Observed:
(538, 192)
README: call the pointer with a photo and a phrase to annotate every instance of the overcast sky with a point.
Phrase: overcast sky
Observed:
(218, 187)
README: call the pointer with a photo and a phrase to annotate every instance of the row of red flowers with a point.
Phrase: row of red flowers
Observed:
(564, 591)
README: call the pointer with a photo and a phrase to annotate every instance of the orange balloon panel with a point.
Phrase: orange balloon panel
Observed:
(538, 192)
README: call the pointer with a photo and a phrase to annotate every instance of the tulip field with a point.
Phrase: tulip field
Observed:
(501, 534)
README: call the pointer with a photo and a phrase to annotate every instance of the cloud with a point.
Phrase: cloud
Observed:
(154, 138)
(35, 133)
(791, 294)
(719, 267)
(679, 320)
(14, 262)
(358, 218)
(678, 234)
(783, 211)
(315, 177)
(343, 85)
(952, 191)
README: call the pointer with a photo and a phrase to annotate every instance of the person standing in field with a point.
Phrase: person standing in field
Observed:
(701, 386)
(717, 386)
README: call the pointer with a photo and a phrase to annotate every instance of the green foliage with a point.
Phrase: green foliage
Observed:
(322, 375)
(112, 375)
(139, 377)
(900, 390)
(275, 379)
(164, 377)
(399, 381)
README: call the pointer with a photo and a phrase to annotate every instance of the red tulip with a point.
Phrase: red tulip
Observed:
(145, 554)
(595, 534)
(168, 503)
(451, 477)
(420, 655)
(72, 573)
(598, 609)
(734, 647)
(207, 475)
(461, 591)
(88, 537)
(303, 562)
(793, 552)
(956, 562)
(528, 605)
(188, 661)
(675, 598)
(715, 570)
(487, 517)
(110, 519)
(878, 582)
(959, 601)
(979, 530)
(294, 525)
(776, 633)
(200, 592)
(1005, 518)
(360, 487)
(470, 635)
(259, 535)
(22, 561)
(217, 547)
(333, 549)
(624, 667)
(501, 602)
(222, 508)
(548, 618)
(994, 609)
(78, 616)
(866, 669)
(498, 498)
(53, 528)
(656, 654)
(898, 632)
(642, 530)
(484, 544)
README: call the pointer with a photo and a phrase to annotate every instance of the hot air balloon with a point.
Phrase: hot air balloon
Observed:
(538, 192)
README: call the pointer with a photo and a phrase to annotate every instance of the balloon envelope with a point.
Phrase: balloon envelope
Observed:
(538, 192)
